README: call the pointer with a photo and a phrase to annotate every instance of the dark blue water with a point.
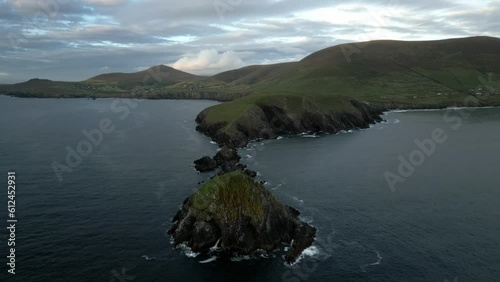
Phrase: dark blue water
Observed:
(106, 221)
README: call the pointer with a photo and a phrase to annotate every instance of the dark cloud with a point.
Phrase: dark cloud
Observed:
(73, 40)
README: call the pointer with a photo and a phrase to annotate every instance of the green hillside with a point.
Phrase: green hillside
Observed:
(398, 73)
(386, 74)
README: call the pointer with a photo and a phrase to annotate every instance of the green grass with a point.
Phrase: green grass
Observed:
(229, 198)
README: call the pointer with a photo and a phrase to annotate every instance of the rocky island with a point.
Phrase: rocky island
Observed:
(238, 216)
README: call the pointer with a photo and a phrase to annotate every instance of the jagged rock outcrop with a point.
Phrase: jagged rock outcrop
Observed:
(269, 120)
(205, 164)
(228, 161)
(240, 216)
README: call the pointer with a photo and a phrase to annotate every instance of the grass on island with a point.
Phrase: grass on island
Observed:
(231, 197)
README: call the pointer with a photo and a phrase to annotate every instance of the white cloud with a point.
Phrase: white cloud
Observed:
(209, 62)
(105, 2)
(3, 74)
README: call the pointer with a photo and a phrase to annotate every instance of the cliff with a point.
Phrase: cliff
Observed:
(268, 119)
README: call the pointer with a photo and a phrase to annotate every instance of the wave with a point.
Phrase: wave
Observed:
(277, 186)
(148, 258)
(436, 110)
(188, 251)
(312, 251)
(379, 261)
(298, 200)
(212, 259)
(307, 219)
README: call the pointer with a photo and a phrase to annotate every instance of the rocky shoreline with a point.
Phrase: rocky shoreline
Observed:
(269, 122)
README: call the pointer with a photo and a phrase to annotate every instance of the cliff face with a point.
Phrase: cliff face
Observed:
(240, 216)
(269, 120)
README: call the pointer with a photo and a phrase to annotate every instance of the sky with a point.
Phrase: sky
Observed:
(75, 40)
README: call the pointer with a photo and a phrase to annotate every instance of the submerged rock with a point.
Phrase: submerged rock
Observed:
(241, 217)
(251, 173)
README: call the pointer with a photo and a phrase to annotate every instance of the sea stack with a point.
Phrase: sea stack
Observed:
(240, 216)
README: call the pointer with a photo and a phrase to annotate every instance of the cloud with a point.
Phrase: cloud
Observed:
(4, 74)
(72, 40)
(209, 62)
(105, 2)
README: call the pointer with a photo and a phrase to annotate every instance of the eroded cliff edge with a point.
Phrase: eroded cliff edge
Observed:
(283, 115)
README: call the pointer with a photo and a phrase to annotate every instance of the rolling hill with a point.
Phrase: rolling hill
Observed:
(323, 87)
(157, 74)
(319, 90)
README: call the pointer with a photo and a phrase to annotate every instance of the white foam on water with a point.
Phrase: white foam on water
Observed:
(280, 137)
(307, 219)
(310, 136)
(213, 142)
(298, 200)
(214, 258)
(437, 110)
(379, 261)
(146, 257)
(312, 251)
(188, 252)
(277, 186)
(396, 121)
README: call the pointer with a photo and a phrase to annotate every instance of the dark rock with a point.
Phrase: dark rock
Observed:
(294, 211)
(251, 173)
(227, 155)
(242, 217)
(205, 164)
